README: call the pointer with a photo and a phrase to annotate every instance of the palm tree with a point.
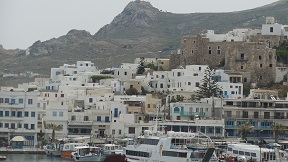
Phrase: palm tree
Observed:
(277, 129)
(244, 129)
(54, 128)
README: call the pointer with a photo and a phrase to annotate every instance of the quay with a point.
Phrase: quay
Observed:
(25, 150)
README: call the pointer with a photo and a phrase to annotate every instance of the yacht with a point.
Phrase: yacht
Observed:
(112, 149)
(170, 146)
(254, 153)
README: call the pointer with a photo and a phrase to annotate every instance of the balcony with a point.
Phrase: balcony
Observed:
(252, 117)
(12, 105)
(188, 113)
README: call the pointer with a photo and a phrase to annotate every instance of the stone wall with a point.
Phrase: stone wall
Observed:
(253, 57)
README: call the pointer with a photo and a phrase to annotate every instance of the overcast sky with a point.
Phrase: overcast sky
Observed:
(22, 22)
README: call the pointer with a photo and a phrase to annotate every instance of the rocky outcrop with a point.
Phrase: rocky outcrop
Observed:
(1, 47)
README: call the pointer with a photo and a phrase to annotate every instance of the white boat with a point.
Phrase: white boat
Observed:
(68, 148)
(168, 147)
(112, 149)
(2, 157)
(88, 153)
(254, 153)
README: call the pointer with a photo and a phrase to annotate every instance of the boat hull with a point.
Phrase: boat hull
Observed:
(92, 158)
(67, 154)
(115, 158)
(53, 153)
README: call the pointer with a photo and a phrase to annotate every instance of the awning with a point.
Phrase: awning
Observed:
(18, 139)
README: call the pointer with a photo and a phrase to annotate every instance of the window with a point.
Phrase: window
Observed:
(161, 85)
(99, 118)
(12, 101)
(90, 100)
(148, 105)
(107, 119)
(242, 67)
(32, 114)
(197, 84)
(113, 131)
(189, 83)
(13, 113)
(7, 113)
(266, 115)
(26, 114)
(61, 113)
(30, 101)
(19, 125)
(125, 73)
(256, 114)
(178, 73)
(6, 125)
(62, 95)
(19, 113)
(209, 50)
(260, 65)
(119, 131)
(131, 130)
(26, 126)
(32, 126)
(20, 101)
(6, 100)
(1, 125)
(1, 100)
(1, 113)
(260, 57)
(86, 118)
(271, 29)
(54, 113)
(12, 126)
(270, 65)
(116, 112)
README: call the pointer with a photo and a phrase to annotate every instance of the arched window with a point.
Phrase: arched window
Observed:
(176, 110)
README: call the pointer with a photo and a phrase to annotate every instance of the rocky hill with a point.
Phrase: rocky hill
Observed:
(140, 30)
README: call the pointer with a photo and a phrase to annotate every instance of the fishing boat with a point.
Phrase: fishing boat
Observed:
(68, 148)
(53, 149)
(169, 146)
(88, 153)
(254, 153)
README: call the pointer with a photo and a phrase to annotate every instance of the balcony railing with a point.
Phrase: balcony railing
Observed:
(188, 113)
(254, 117)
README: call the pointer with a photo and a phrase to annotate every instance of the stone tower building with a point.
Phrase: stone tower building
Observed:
(235, 49)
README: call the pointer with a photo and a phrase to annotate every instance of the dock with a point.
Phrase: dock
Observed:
(25, 150)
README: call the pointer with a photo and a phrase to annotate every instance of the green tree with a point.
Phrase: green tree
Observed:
(209, 86)
(132, 91)
(152, 66)
(244, 129)
(141, 67)
(277, 129)
(54, 128)
(97, 78)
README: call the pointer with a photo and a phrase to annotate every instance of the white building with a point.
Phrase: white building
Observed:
(19, 115)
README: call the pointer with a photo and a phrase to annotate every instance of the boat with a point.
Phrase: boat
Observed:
(2, 157)
(112, 149)
(53, 149)
(88, 153)
(169, 146)
(251, 152)
(68, 148)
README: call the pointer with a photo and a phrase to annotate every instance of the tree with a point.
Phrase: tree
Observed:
(132, 91)
(97, 78)
(244, 129)
(141, 67)
(209, 86)
(277, 129)
(54, 128)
